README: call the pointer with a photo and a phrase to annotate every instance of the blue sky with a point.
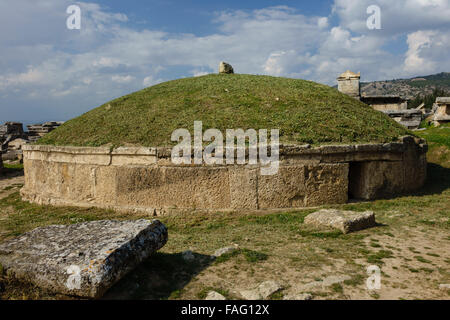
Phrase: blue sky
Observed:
(195, 16)
(48, 72)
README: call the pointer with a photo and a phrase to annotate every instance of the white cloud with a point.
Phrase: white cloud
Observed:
(273, 64)
(416, 42)
(322, 22)
(397, 16)
(150, 81)
(427, 52)
(29, 77)
(106, 62)
(122, 79)
(198, 73)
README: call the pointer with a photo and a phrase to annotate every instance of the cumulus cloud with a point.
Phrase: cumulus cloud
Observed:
(400, 16)
(150, 81)
(122, 79)
(427, 52)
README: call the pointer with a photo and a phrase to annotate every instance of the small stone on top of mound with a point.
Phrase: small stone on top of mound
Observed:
(83, 259)
(346, 221)
(225, 68)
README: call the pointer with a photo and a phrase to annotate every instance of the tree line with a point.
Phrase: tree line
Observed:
(428, 99)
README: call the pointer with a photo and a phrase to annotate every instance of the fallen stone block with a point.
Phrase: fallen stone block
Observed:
(263, 291)
(444, 286)
(213, 295)
(301, 296)
(225, 250)
(346, 221)
(83, 259)
(327, 282)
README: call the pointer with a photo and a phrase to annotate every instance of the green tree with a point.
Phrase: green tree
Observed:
(428, 99)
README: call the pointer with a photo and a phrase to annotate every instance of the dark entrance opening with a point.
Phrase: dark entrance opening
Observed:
(355, 181)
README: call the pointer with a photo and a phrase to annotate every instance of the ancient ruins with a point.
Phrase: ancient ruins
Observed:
(13, 137)
(441, 110)
(145, 180)
(36, 131)
(392, 105)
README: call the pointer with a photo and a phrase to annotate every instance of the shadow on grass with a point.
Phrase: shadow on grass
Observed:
(11, 172)
(161, 276)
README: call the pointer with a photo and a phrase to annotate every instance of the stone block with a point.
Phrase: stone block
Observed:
(346, 221)
(243, 187)
(83, 259)
(282, 190)
(326, 184)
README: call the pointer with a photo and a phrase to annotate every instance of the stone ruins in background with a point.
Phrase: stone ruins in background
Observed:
(392, 105)
(441, 110)
(13, 137)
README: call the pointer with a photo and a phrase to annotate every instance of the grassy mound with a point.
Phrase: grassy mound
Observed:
(303, 111)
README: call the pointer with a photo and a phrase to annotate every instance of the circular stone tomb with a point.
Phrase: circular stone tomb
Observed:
(332, 148)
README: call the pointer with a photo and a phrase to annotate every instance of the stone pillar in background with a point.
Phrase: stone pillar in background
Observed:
(348, 83)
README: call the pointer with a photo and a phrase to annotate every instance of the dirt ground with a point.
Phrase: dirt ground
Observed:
(410, 245)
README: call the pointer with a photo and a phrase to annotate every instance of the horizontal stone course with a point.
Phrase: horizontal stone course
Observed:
(145, 179)
(165, 152)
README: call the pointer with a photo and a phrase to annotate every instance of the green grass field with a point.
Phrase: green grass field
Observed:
(411, 244)
(303, 111)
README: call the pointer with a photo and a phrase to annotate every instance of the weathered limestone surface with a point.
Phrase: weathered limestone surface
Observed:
(346, 221)
(263, 291)
(411, 119)
(366, 184)
(441, 110)
(414, 163)
(215, 296)
(82, 259)
(300, 296)
(225, 250)
(326, 183)
(145, 179)
(327, 282)
(348, 83)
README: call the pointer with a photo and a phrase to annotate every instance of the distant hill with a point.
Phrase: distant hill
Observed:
(408, 88)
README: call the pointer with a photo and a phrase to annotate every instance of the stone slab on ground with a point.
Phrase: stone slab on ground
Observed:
(300, 296)
(225, 250)
(83, 259)
(325, 283)
(346, 221)
(263, 291)
(444, 286)
(213, 295)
